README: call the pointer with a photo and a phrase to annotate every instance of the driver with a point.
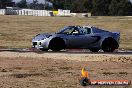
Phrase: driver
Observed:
(75, 31)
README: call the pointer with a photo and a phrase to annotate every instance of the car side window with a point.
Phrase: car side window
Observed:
(88, 30)
(68, 31)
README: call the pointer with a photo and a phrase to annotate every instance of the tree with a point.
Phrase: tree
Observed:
(78, 7)
(96, 7)
(34, 4)
(22, 4)
(120, 8)
(5, 3)
(73, 5)
(39, 6)
(114, 7)
(100, 7)
(88, 5)
(81, 7)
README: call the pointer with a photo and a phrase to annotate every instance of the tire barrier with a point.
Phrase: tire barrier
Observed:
(2, 11)
(31, 12)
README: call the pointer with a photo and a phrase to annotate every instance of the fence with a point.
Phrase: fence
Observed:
(63, 12)
(30, 12)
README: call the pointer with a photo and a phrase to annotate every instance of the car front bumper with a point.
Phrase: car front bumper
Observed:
(39, 44)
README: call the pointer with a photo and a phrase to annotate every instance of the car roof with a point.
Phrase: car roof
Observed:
(88, 26)
(82, 26)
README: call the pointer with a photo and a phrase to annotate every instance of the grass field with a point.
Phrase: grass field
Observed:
(18, 31)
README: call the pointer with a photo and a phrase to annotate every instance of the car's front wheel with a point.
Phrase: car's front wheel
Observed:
(94, 50)
(57, 44)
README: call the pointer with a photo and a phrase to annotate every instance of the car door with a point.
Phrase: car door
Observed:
(80, 40)
(90, 38)
(75, 41)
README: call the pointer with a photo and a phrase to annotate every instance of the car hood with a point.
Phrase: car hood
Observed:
(41, 36)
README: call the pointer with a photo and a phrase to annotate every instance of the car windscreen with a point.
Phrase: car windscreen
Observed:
(66, 30)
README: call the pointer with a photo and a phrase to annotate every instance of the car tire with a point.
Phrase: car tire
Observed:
(94, 50)
(57, 44)
(42, 49)
(109, 45)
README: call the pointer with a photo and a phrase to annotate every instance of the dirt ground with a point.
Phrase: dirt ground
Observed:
(60, 70)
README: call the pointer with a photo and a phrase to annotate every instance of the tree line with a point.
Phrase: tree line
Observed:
(5, 3)
(33, 5)
(96, 7)
(24, 4)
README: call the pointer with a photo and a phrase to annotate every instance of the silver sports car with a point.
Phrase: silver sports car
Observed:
(78, 37)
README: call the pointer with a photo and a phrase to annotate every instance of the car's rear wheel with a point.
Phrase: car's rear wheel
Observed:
(109, 45)
(57, 44)
(94, 50)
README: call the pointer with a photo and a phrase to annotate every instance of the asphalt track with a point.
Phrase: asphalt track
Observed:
(69, 51)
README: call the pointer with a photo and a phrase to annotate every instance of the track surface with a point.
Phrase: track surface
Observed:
(72, 54)
(69, 51)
